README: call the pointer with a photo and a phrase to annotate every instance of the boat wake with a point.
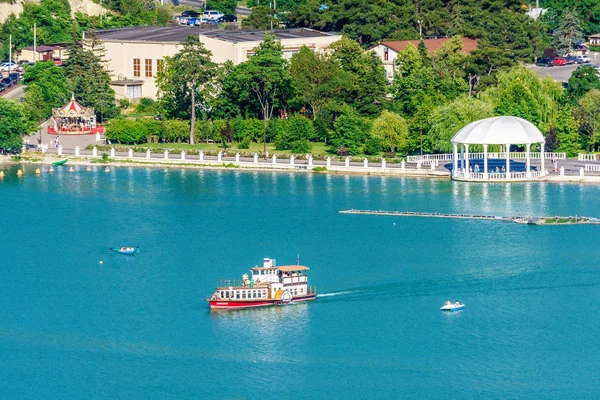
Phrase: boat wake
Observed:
(337, 293)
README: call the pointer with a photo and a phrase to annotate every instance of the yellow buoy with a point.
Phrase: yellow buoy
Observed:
(101, 262)
(19, 173)
(106, 169)
(1, 174)
(37, 171)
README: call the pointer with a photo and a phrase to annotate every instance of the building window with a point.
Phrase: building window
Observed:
(134, 92)
(136, 67)
(386, 55)
(159, 66)
(148, 68)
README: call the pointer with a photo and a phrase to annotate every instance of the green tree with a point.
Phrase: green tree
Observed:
(14, 123)
(317, 78)
(187, 82)
(568, 33)
(349, 132)
(225, 6)
(298, 130)
(582, 80)
(391, 130)
(264, 78)
(50, 80)
(34, 103)
(366, 85)
(588, 114)
(260, 18)
(448, 119)
(566, 128)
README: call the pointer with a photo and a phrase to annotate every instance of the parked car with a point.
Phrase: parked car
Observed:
(570, 60)
(545, 62)
(583, 59)
(57, 61)
(559, 61)
(190, 13)
(206, 22)
(2, 87)
(192, 21)
(15, 77)
(212, 14)
(8, 65)
(227, 18)
(183, 20)
(7, 81)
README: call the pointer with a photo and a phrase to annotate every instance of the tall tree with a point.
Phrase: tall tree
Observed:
(583, 79)
(187, 81)
(14, 123)
(265, 78)
(392, 130)
(317, 78)
(51, 82)
(588, 114)
(569, 33)
(88, 78)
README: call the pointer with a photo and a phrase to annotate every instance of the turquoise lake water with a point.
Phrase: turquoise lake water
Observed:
(138, 328)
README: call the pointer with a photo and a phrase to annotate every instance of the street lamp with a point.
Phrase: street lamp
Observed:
(420, 29)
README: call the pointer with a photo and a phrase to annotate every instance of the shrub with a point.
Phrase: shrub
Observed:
(203, 131)
(299, 130)
(373, 146)
(146, 105)
(131, 131)
(252, 128)
(342, 151)
(176, 130)
(124, 104)
(300, 146)
(245, 144)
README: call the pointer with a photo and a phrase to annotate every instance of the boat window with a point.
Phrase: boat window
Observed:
(222, 294)
(259, 294)
(237, 295)
(254, 294)
(244, 294)
(227, 294)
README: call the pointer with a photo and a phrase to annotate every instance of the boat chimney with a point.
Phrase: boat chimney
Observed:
(267, 263)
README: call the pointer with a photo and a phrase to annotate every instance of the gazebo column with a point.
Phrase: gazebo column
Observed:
(528, 165)
(462, 157)
(508, 161)
(454, 159)
(485, 161)
(467, 172)
(542, 157)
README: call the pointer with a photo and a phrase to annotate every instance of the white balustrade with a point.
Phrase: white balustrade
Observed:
(201, 157)
(581, 173)
(562, 171)
(592, 167)
(60, 150)
(383, 163)
(148, 154)
(95, 152)
(237, 157)
(112, 151)
(166, 154)
(130, 154)
(310, 161)
(292, 159)
(274, 159)
(328, 162)
(347, 162)
(366, 163)
(586, 157)
(427, 158)
(76, 151)
(255, 158)
(219, 157)
(182, 155)
(403, 165)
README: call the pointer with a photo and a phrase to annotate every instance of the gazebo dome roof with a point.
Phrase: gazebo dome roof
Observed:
(499, 130)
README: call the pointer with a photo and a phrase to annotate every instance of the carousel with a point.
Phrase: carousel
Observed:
(74, 119)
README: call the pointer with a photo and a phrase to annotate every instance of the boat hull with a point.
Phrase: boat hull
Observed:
(225, 304)
(60, 162)
(453, 308)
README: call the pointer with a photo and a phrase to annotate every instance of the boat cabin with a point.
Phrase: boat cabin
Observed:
(267, 282)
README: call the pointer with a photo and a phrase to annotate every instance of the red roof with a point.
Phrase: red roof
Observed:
(432, 44)
(73, 106)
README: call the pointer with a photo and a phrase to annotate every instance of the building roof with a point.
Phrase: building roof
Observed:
(595, 36)
(432, 44)
(284, 268)
(177, 33)
(499, 130)
(44, 48)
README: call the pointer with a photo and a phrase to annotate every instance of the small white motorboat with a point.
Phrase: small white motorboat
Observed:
(452, 307)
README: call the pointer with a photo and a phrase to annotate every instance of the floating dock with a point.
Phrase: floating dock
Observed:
(555, 220)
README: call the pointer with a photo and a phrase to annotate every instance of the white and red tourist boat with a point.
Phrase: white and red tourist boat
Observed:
(265, 286)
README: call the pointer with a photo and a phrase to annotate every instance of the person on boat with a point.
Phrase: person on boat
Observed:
(447, 303)
(457, 303)
(123, 248)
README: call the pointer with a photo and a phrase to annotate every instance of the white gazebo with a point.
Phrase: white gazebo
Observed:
(505, 131)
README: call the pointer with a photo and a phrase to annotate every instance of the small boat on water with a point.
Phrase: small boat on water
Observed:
(452, 306)
(267, 285)
(61, 162)
(127, 250)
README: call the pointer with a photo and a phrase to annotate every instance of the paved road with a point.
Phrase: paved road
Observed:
(560, 73)
(15, 93)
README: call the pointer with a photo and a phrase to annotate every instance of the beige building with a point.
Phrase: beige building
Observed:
(44, 53)
(136, 54)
